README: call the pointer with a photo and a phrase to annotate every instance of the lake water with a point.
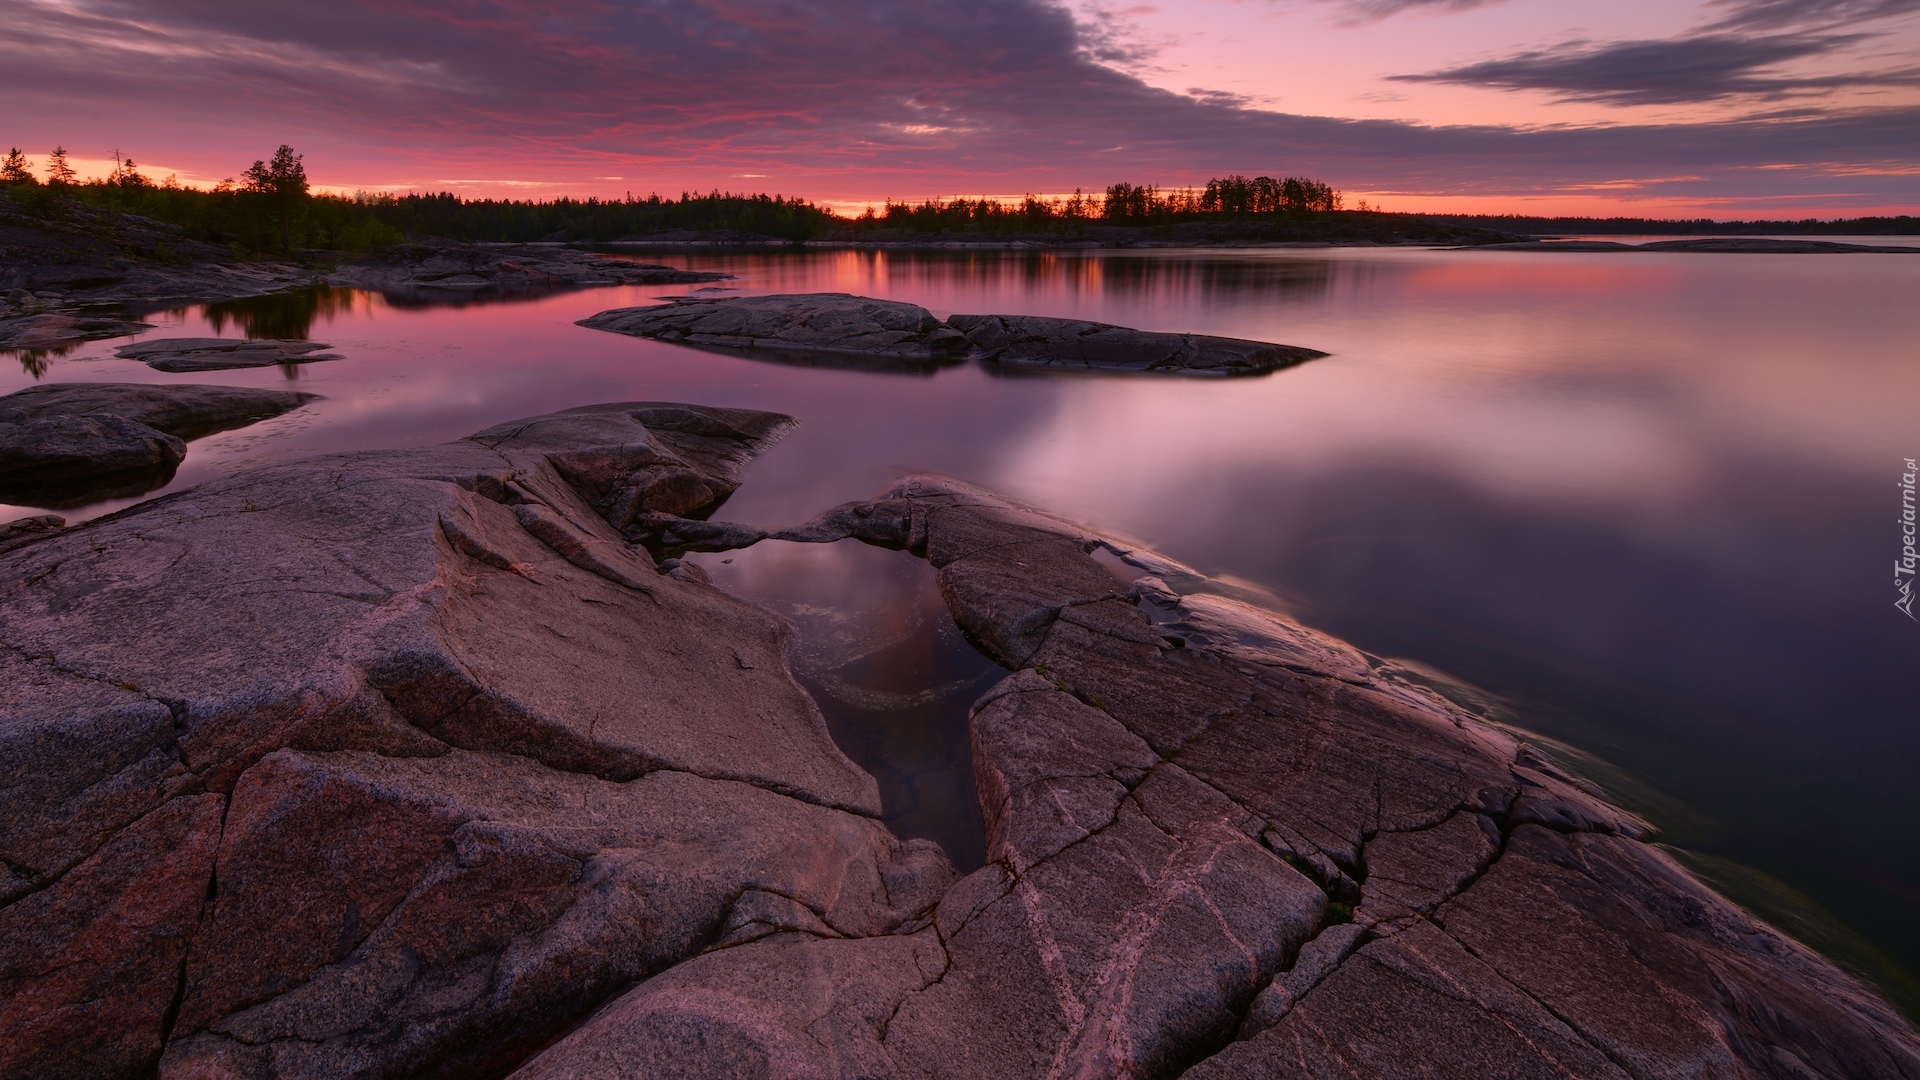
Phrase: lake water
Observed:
(1650, 501)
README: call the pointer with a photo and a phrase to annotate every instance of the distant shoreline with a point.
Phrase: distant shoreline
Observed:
(1703, 243)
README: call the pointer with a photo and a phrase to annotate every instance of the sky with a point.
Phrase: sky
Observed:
(1660, 108)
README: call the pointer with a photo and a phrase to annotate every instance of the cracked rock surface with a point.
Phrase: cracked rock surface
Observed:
(1221, 844)
(398, 760)
(417, 763)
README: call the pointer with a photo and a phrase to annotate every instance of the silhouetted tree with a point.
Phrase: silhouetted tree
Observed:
(58, 171)
(285, 176)
(13, 170)
(126, 174)
(282, 183)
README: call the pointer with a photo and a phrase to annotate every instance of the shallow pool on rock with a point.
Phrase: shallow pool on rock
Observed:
(893, 675)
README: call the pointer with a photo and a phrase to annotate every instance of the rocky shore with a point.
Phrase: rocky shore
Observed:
(60, 266)
(801, 327)
(429, 272)
(68, 444)
(424, 762)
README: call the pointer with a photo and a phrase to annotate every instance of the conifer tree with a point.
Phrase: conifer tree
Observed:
(13, 169)
(283, 183)
(58, 171)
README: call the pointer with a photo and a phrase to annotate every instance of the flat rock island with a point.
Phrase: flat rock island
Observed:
(796, 327)
(217, 354)
(436, 762)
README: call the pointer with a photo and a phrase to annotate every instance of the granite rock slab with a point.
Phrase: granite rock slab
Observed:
(472, 763)
(1223, 844)
(457, 779)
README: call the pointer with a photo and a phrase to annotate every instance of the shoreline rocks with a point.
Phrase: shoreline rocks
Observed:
(437, 273)
(179, 355)
(52, 331)
(1222, 844)
(186, 411)
(70, 444)
(450, 809)
(455, 777)
(889, 335)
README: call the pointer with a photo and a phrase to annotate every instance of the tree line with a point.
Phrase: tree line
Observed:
(1230, 198)
(270, 207)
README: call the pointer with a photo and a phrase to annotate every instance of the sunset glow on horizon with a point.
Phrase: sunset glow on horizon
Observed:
(1721, 108)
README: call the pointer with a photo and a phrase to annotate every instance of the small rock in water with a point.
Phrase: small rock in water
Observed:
(215, 354)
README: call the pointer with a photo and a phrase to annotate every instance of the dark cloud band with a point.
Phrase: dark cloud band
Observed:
(823, 97)
(1706, 67)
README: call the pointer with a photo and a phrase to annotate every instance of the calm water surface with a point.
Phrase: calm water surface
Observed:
(1649, 500)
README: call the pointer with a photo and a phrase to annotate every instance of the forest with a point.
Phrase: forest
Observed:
(271, 208)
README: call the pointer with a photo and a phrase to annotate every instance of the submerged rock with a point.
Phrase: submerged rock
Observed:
(428, 273)
(1035, 342)
(217, 354)
(452, 772)
(799, 323)
(53, 330)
